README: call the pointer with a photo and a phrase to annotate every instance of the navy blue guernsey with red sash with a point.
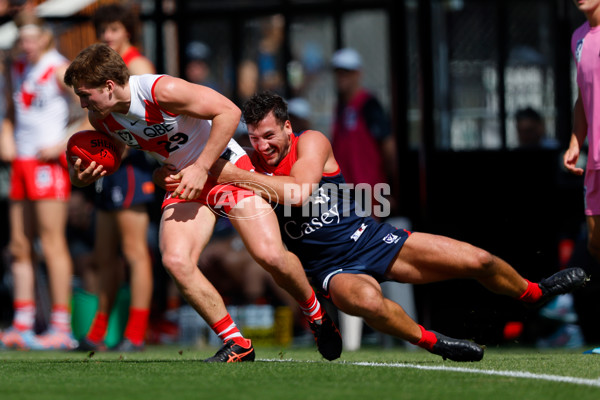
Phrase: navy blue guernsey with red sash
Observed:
(327, 234)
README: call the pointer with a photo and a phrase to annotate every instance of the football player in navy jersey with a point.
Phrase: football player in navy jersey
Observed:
(348, 255)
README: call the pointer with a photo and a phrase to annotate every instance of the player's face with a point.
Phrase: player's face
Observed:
(270, 139)
(114, 35)
(587, 5)
(96, 100)
(32, 42)
(347, 81)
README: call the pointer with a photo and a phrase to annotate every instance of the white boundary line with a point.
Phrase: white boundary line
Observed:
(511, 374)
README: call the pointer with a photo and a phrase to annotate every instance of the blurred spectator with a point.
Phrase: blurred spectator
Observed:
(40, 186)
(361, 136)
(247, 72)
(270, 53)
(122, 217)
(197, 69)
(7, 153)
(118, 26)
(531, 130)
(299, 112)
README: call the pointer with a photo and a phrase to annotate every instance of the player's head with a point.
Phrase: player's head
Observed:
(35, 38)
(93, 74)
(269, 128)
(530, 127)
(587, 6)
(115, 25)
(347, 66)
(95, 65)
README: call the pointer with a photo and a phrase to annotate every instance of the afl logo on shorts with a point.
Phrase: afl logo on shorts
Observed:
(227, 196)
(391, 238)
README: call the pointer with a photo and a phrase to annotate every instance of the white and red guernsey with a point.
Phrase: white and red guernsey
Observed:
(162, 134)
(39, 101)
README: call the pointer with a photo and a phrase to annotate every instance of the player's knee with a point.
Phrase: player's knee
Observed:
(481, 261)
(137, 256)
(269, 258)
(367, 301)
(20, 249)
(176, 264)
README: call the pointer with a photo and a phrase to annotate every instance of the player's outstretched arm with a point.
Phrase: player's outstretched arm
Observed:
(314, 158)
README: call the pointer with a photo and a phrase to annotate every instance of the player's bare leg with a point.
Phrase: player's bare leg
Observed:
(263, 240)
(20, 334)
(259, 229)
(107, 261)
(426, 258)
(106, 268)
(593, 224)
(52, 219)
(21, 242)
(360, 295)
(133, 225)
(185, 229)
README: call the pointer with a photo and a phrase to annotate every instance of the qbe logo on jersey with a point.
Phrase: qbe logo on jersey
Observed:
(391, 238)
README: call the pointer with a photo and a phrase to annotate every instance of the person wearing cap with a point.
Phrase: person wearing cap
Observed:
(361, 135)
(197, 69)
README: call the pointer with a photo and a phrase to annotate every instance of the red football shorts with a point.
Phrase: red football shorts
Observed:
(219, 196)
(32, 179)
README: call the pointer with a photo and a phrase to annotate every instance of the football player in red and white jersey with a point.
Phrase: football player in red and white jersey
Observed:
(187, 127)
(121, 207)
(40, 186)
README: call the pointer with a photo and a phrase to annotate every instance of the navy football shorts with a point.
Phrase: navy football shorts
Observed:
(373, 258)
(130, 185)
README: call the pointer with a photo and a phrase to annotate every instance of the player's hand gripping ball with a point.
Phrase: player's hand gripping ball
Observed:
(94, 146)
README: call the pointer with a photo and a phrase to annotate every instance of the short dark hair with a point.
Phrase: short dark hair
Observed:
(110, 13)
(96, 64)
(259, 106)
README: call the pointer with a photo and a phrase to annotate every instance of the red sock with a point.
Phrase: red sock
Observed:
(98, 328)
(311, 308)
(226, 329)
(137, 325)
(428, 339)
(24, 311)
(532, 293)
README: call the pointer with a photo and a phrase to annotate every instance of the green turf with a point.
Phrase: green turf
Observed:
(178, 373)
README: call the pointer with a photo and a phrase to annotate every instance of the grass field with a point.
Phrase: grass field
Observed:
(372, 374)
